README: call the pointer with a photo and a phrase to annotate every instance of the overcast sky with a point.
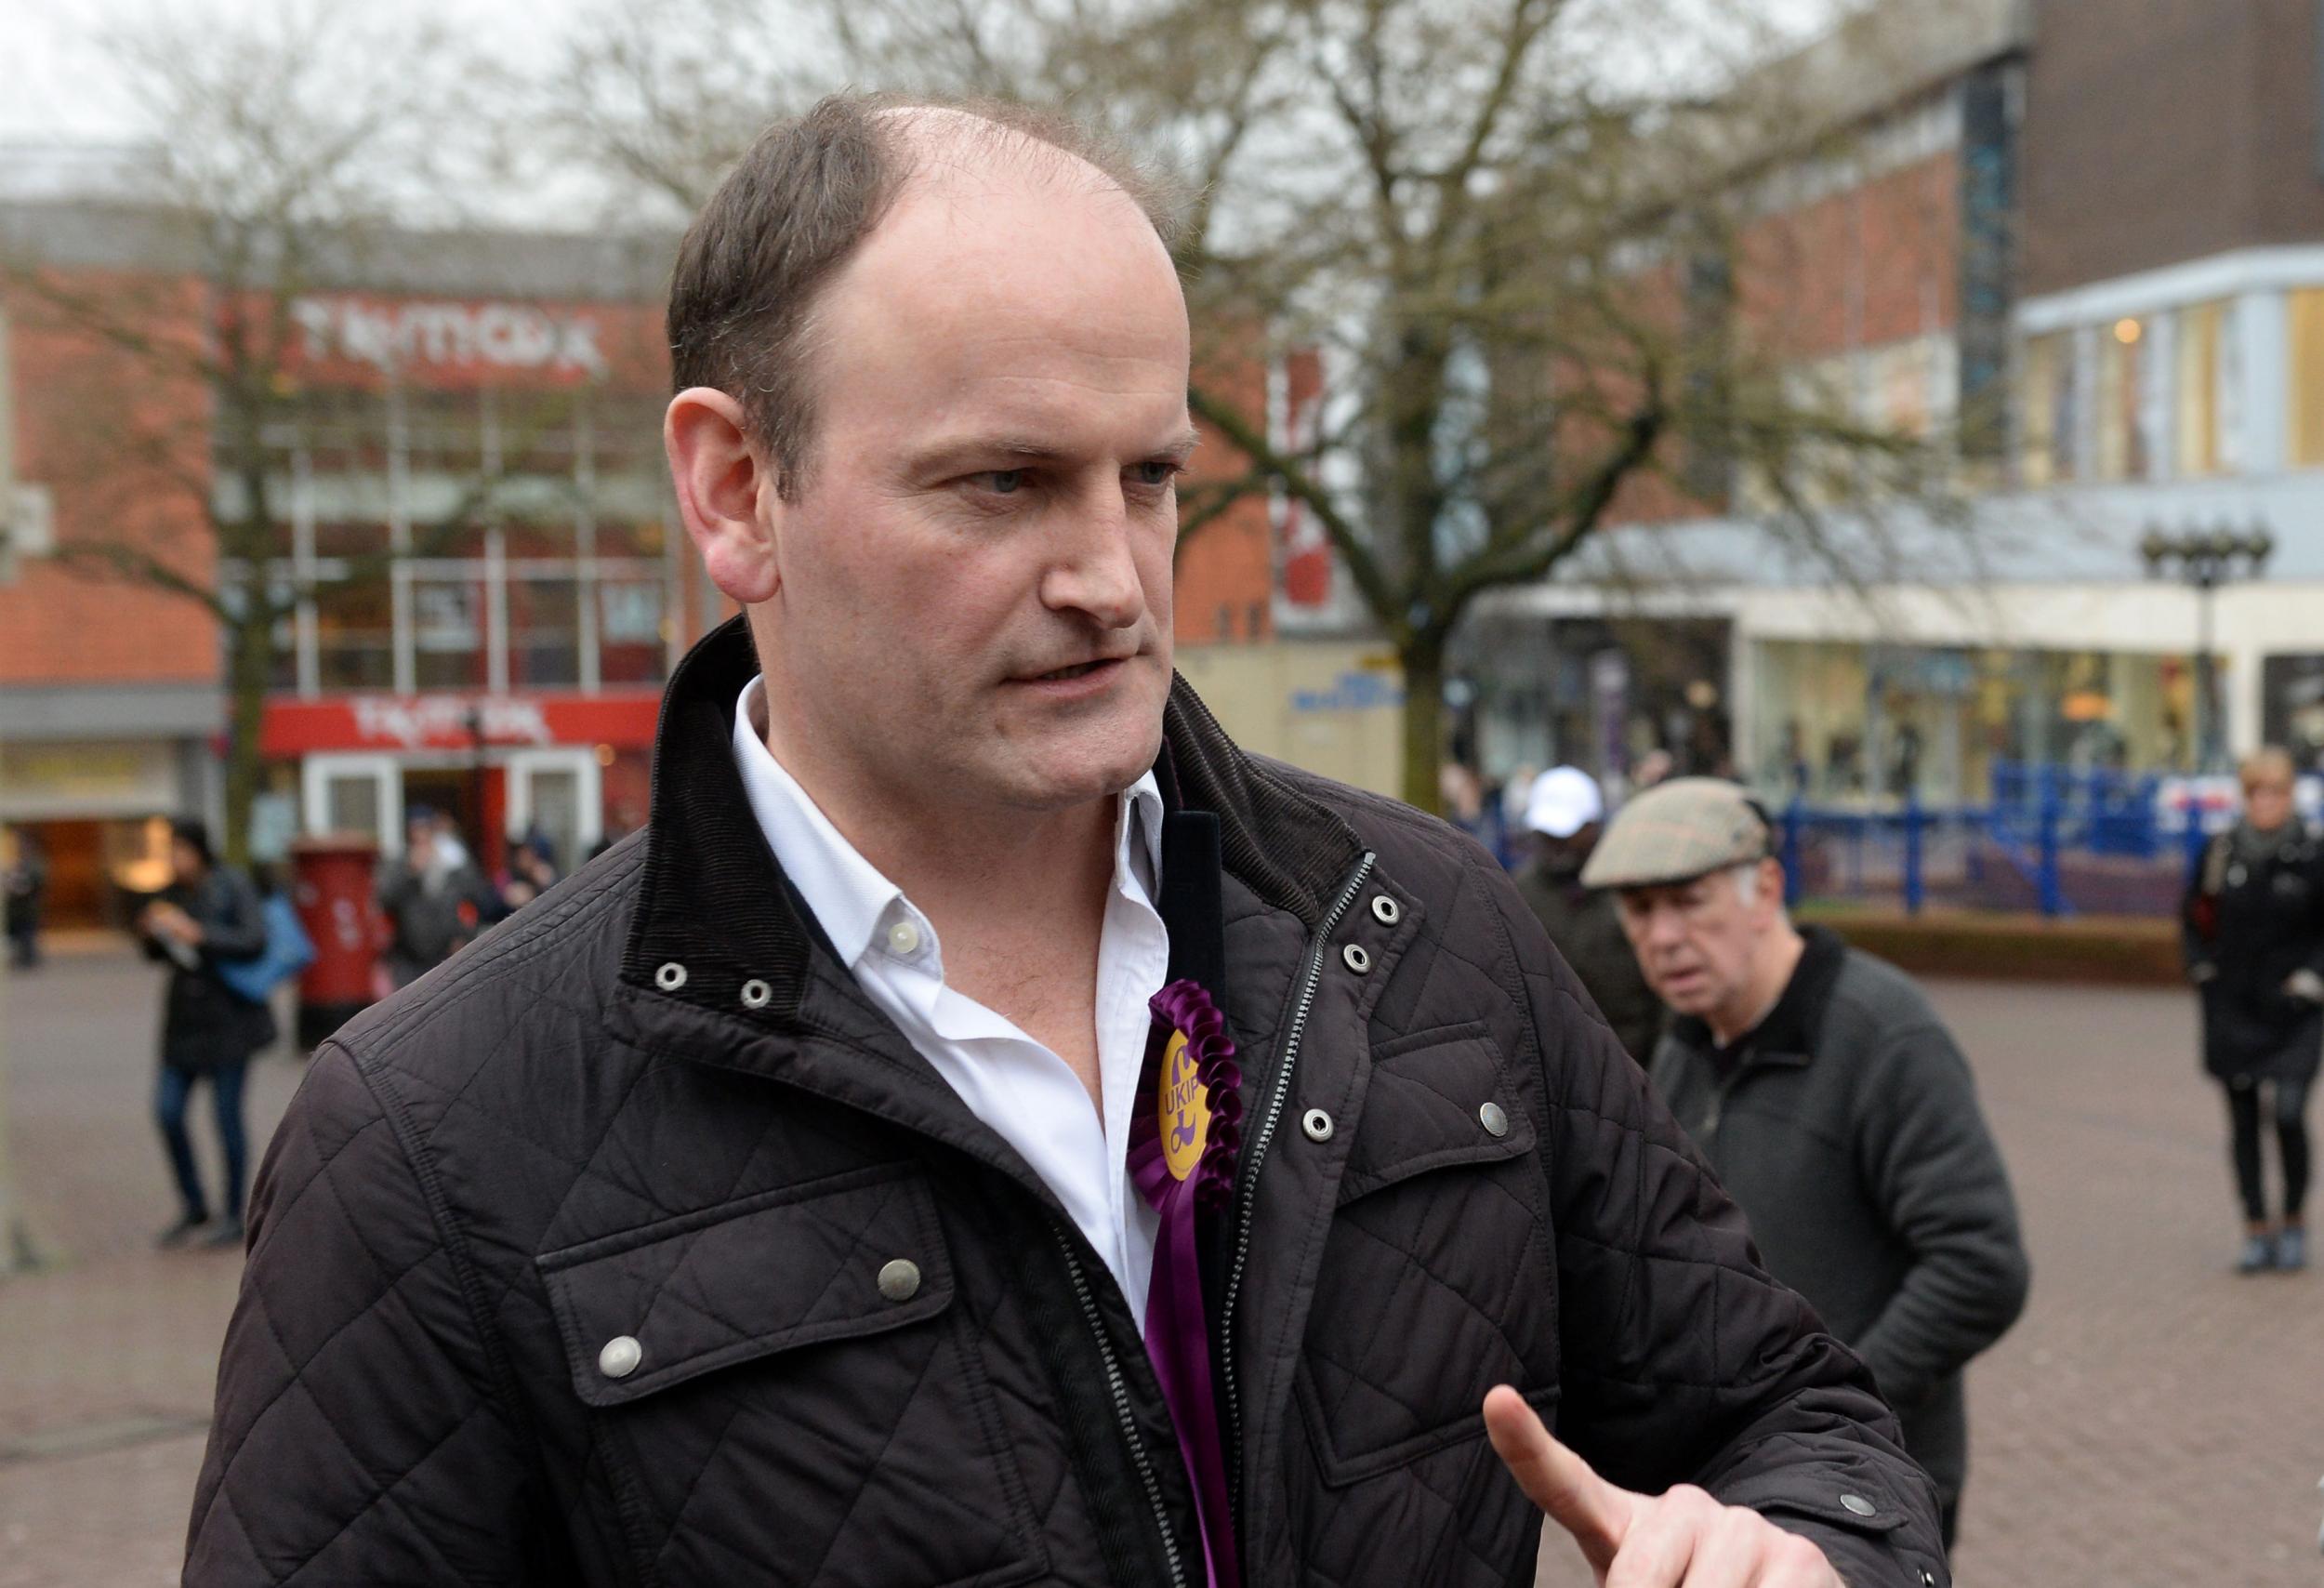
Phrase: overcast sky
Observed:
(57, 85)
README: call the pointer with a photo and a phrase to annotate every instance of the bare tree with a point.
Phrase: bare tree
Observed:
(1523, 235)
(286, 142)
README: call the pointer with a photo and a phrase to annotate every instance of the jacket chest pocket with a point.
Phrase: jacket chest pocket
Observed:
(790, 1392)
(1437, 1280)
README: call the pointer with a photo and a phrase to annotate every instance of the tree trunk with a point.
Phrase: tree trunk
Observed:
(250, 659)
(1423, 660)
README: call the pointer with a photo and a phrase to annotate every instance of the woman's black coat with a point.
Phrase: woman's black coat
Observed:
(2254, 919)
(204, 1023)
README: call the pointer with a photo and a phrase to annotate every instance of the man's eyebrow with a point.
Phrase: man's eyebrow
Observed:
(966, 449)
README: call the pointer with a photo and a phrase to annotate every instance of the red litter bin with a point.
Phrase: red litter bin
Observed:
(335, 894)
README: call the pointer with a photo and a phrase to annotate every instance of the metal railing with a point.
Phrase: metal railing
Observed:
(2050, 839)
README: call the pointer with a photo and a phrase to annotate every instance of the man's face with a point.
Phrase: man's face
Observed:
(1697, 941)
(975, 596)
(1566, 856)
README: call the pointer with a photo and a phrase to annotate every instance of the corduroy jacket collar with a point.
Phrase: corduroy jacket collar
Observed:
(714, 902)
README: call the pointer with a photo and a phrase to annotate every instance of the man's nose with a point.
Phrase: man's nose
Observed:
(1665, 927)
(1094, 572)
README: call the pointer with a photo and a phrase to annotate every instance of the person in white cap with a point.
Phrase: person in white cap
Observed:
(1565, 814)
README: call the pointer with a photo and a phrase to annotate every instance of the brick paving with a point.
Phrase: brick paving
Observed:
(111, 1346)
(2154, 1420)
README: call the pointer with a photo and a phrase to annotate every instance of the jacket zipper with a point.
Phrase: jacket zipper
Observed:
(1122, 1413)
(1311, 978)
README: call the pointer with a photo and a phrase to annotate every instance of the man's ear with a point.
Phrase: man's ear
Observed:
(725, 492)
(1771, 886)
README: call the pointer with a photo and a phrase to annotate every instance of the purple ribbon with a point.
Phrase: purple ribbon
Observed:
(1183, 1151)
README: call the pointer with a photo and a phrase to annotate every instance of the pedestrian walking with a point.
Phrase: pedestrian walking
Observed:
(24, 880)
(988, 1127)
(1564, 814)
(2254, 939)
(209, 917)
(1831, 1103)
(434, 897)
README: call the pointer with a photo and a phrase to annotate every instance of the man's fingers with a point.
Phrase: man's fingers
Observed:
(1593, 1511)
(1665, 1537)
(1730, 1553)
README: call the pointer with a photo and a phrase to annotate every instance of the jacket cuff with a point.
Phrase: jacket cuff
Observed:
(1873, 1538)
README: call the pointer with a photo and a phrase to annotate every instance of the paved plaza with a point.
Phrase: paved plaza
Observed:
(2152, 1421)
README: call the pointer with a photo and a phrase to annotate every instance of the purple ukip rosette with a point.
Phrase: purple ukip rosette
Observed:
(1182, 1157)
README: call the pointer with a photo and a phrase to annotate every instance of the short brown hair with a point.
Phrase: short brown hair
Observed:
(794, 210)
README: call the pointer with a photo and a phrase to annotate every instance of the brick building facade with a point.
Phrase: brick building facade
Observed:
(487, 582)
(2078, 247)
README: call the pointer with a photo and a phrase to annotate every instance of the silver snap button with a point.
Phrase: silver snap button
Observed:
(1858, 1504)
(1494, 1120)
(1385, 910)
(756, 993)
(620, 1357)
(670, 977)
(1359, 958)
(900, 1280)
(1317, 1124)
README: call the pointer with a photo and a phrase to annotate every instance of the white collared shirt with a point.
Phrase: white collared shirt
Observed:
(1021, 1089)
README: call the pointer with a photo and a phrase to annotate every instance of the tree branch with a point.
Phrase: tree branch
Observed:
(1346, 539)
(1518, 559)
(131, 564)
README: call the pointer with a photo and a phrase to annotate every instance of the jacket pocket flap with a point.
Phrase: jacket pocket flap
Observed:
(1342, 1467)
(1436, 1099)
(854, 1254)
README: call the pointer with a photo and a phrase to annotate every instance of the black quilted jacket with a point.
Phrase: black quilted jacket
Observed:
(580, 1261)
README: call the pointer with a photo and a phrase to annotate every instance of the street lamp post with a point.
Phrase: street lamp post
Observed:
(2203, 560)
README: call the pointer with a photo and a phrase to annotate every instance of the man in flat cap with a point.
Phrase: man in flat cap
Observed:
(1831, 1099)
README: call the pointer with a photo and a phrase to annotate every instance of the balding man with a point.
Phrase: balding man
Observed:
(988, 1129)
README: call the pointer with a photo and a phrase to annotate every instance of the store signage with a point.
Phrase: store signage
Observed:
(395, 725)
(86, 779)
(1350, 692)
(433, 719)
(398, 337)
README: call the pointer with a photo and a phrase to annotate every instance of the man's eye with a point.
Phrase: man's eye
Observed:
(1154, 474)
(1004, 481)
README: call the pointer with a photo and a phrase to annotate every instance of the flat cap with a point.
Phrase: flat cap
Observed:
(1688, 827)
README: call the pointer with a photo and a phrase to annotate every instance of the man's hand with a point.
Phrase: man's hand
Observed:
(1683, 1539)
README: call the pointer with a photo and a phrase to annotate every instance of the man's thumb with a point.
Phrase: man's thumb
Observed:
(1593, 1511)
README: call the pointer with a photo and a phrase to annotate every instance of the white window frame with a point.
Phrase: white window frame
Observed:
(319, 770)
(589, 788)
